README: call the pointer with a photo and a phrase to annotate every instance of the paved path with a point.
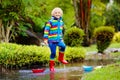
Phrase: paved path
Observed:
(93, 55)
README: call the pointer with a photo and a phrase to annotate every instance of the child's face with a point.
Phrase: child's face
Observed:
(57, 14)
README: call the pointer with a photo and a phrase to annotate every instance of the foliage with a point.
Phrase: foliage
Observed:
(117, 1)
(16, 56)
(36, 10)
(31, 14)
(110, 72)
(13, 55)
(12, 21)
(74, 36)
(40, 11)
(75, 53)
(112, 15)
(96, 21)
(98, 7)
(66, 6)
(116, 37)
(11, 9)
(96, 18)
(103, 35)
(105, 1)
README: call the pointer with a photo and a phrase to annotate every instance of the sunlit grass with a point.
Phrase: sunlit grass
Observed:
(110, 72)
(115, 45)
(94, 47)
(91, 48)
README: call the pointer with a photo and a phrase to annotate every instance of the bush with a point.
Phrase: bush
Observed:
(75, 54)
(74, 36)
(112, 15)
(103, 35)
(17, 56)
(116, 37)
(13, 55)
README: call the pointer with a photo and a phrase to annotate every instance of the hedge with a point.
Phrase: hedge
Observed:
(14, 55)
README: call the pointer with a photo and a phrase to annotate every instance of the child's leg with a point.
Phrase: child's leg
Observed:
(52, 47)
(62, 47)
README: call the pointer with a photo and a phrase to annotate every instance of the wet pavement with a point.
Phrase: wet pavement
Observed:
(73, 71)
(93, 55)
(61, 73)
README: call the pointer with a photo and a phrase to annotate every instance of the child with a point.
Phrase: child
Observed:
(53, 36)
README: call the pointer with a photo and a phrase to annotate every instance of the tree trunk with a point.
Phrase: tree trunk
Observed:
(82, 14)
(77, 12)
(5, 34)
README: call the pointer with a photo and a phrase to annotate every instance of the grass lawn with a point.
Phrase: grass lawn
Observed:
(109, 72)
(94, 47)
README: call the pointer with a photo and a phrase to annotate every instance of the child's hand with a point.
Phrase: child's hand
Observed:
(46, 42)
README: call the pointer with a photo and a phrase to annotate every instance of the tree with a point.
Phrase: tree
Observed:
(82, 12)
(112, 15)
(10, 13)
(97, 18)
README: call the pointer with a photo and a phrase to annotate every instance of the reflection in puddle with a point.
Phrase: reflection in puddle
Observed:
(62, 72)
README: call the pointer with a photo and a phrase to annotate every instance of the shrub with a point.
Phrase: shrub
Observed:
(13, 55)
(75, 54)
(116, 37)
(112, 15)
(17, 56)
(74, 36)
(103, 35)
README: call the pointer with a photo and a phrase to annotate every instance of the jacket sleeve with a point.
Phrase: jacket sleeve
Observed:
(46, 31)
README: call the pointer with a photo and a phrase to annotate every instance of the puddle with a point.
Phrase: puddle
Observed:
(72, 71)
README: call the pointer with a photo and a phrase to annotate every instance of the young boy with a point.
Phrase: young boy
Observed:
(53, 36)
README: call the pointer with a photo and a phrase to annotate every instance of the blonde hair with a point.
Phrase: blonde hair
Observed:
(57, 9)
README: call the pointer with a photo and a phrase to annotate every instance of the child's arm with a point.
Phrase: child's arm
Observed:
(46, 32)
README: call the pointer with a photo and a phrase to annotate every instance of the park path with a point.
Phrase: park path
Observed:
(93, 55)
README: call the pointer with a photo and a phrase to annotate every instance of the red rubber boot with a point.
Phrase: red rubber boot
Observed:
(52, 65)
(61, 58)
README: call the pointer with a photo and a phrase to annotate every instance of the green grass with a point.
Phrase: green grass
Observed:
(94, 47)
(115, 45)
(110, 72)
(91, 48)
